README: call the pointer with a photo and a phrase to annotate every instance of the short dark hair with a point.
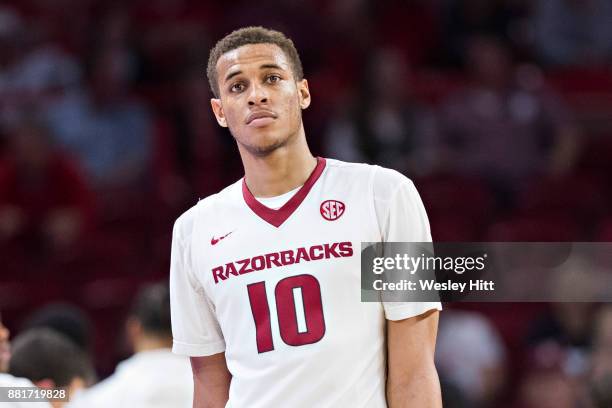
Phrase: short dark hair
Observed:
(251, 35)
(64, 318)
(42, 353)
(152, 309)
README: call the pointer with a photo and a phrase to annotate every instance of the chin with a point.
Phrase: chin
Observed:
(265, 150)
(265, 147)
(261, 141)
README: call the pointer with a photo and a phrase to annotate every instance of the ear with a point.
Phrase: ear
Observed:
(218, 111)
(304, 93)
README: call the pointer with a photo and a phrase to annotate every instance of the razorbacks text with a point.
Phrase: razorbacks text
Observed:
(282, 258)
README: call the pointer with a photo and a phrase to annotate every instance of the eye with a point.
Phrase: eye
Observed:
(237, 87)
(273, 78)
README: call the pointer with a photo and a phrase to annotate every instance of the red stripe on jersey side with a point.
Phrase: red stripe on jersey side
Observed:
(261, 315)
(278, 217)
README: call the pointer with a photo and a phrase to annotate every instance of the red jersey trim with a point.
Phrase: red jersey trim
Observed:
(278, 217)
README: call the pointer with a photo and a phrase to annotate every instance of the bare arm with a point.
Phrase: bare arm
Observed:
(412, 377)
(211, 380)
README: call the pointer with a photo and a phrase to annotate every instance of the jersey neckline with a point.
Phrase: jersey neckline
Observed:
(279, 216)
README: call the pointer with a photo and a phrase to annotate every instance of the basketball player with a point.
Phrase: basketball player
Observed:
(265, 275)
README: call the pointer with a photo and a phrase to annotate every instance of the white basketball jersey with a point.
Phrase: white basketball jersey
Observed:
(278, 290)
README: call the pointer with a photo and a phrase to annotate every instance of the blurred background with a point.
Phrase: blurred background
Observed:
(499, 110)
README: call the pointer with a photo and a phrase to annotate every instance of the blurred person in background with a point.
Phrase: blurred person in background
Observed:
(153, 376)
(51, 360)
(569, 325)
(35, 70)
(561, 341)
(44, 202)
(479, 372)
(103, 126)
(11, 27)
(384, 124)
(573, 32)
(64, 318)
(202, 153)
(5, 347)
(452, 396)
(547, 388)
(464, 19)
(600, 376)
(505, 126)
(565, 336)
(602, 339)
(172, 33)
(7, 380)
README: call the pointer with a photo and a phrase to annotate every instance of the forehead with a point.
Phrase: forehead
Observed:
(251, 56)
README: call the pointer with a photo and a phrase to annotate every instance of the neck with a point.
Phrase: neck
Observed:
(152, 343)
(280, 171)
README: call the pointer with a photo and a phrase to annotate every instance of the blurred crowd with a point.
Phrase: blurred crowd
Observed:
(499, 110)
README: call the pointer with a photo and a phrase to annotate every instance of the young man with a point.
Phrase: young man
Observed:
(265, 275)
(7, 380)
(153, 376)
(50, 360)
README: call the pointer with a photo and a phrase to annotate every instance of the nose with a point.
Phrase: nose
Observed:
(258, 95)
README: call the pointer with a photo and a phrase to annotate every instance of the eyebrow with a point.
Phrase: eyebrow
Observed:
(264, 66)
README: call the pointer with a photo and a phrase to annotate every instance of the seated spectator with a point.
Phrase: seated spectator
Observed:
(562, 341)
(153, 376)
(505, 126)
(603, 328)
(478, 372)
(386, 125)
(43, 199)
(463, 19)
(569, 325)
(34, 69)
(573, 32)
(202, 152)
(50, 360)
(109, 132)
(547, 388)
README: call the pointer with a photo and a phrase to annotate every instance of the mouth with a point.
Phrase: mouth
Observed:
(260, 118)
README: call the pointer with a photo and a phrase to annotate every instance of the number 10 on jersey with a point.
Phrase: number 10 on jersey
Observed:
(299, 309)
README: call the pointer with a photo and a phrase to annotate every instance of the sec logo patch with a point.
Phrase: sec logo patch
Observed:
(331, 210)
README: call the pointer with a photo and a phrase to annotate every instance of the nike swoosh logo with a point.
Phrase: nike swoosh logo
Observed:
(214, 241)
